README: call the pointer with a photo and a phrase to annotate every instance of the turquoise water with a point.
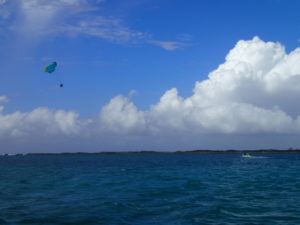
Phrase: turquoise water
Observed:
(145, 189)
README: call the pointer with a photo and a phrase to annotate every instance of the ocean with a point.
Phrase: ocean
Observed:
(146, 189)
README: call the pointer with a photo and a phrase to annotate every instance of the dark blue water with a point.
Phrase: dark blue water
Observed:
(150, 189)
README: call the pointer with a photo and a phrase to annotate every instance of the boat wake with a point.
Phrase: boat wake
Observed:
(247, 155)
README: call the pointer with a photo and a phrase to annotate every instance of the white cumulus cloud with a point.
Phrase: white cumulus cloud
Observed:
(249, 101)
(40, 122)
(121, 115)
(254, 91)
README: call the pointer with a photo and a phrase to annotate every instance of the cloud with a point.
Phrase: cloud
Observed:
(41, 122)
(40, 18)
(5, 11)
(167, 45)
(110, 29)
(252, 91)
(3, 99)
(249, 101)
(132, 93)
(182, 40)
(121, 115)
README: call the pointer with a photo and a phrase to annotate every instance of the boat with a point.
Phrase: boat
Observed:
(246, 155)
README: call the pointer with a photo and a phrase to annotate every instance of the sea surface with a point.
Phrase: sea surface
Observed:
(146, 189)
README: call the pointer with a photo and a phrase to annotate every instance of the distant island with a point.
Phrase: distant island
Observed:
(229, 151)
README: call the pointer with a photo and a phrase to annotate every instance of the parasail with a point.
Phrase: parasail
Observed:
(50, 68)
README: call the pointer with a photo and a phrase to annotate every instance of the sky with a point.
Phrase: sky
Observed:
(159, 75)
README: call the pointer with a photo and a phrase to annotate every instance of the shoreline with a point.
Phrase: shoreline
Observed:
(258, 151)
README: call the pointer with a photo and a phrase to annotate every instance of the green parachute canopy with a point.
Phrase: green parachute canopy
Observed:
(50, 68)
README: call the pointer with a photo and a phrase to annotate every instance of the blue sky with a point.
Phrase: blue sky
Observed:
(95, 69)
(138, 49)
